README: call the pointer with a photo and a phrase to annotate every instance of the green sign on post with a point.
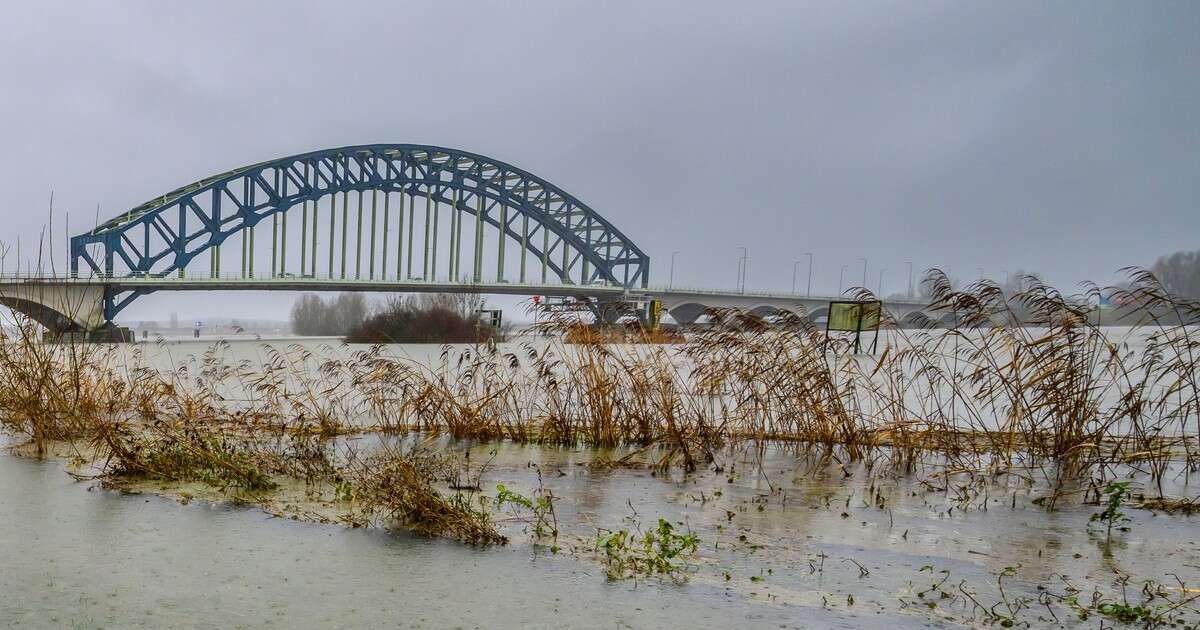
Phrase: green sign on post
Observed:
(854, 317)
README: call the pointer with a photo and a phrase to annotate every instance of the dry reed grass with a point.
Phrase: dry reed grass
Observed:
(396, 485)
(1026, 382)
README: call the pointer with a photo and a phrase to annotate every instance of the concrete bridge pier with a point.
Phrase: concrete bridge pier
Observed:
(68, 311)
(108, 333)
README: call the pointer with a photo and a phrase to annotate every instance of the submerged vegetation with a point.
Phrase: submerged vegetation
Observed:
(1112, 516)
(656, 551)
(1153, 605)
(397, 486)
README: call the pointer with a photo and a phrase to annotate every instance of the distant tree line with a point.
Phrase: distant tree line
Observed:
(336, 316)
(425, 318)
(1179, 273)
(1014, 283)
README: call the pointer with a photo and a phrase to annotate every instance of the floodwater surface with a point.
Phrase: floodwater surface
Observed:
(779, 547)
(74, 558)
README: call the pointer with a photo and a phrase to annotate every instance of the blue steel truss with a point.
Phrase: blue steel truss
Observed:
(165, 234)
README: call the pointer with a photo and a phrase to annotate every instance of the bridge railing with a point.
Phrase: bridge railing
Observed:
(766, 295)
(317, 282)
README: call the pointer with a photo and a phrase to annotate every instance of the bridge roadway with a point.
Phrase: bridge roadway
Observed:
(64, 304)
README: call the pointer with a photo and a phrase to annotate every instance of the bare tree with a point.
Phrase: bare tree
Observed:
(1180, 273)
(1020, 281)
(347, 312)
(338, 316)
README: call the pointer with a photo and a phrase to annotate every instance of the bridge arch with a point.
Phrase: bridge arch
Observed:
(767, 310)
(917, 319)
(687, 313)
(169, 233)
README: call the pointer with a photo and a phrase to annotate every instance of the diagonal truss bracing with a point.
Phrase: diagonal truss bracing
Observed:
(560, 234)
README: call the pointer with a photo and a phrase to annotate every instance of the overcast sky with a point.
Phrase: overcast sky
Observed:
(1062, 137)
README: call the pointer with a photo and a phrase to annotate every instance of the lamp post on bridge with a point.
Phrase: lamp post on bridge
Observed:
(743, 262)
(864, 284)
(910, 279)
(671, 282)
(879, 291)
(808, 293)
(841, 278)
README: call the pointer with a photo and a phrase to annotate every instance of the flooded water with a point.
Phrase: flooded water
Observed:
(74, 558)
(780, 547)
(784, 541)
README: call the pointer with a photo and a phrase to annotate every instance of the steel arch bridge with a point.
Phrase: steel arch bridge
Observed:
(496, 205)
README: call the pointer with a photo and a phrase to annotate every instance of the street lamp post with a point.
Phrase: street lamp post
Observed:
(841, 278)
(808, 292)
(795, 270)
(910, 279)
(864, 284)
(671, 282)
(879, 291)
(742, 264)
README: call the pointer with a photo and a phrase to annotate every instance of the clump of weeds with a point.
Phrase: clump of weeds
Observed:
(188, 453)
(1158, 605)
(396, 486)
(658, 551)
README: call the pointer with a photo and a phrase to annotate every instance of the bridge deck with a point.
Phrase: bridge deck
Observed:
(402, 285)
(293, 283)
(395, 285)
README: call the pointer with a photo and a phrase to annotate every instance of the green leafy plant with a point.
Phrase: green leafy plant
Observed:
(936, 586)
(1112, 516)
(658, 551)
(1126, 613)
(541, 506)
(342, 490)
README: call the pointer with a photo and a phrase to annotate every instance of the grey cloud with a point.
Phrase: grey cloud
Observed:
(1055, 136)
